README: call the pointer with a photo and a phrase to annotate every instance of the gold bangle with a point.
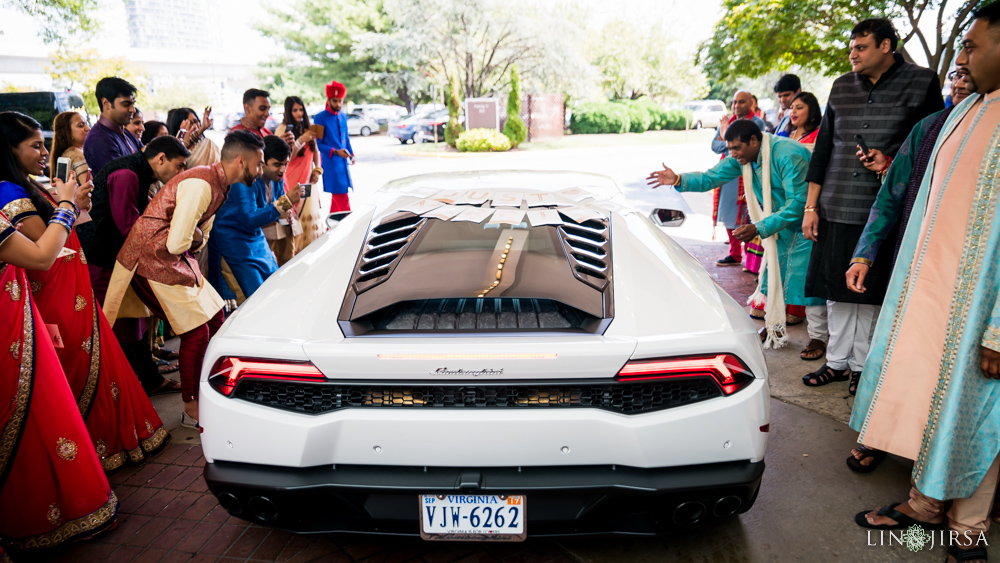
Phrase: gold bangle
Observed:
(812, 209)
(677, 182)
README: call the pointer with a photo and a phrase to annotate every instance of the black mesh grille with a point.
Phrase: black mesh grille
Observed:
(624, 398)
(477, 314)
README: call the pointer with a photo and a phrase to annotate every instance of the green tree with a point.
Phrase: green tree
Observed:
(318, 37)
(514, 129)
(78, 68)
(476, 41)
(758, 36)
(454, 128)
(59, 19)
(635, 63)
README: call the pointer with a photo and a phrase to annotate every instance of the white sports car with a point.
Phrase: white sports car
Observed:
(488, 356)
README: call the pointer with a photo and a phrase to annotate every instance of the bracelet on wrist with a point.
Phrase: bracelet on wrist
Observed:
(64, 217)
(811, 209)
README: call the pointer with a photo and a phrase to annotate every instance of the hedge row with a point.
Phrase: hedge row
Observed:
(624, 116)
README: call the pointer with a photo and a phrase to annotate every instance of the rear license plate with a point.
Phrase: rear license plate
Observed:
(472, 517)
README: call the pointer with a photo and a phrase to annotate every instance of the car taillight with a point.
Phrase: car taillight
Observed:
(227, 372)
(730, 373)
(401, 125)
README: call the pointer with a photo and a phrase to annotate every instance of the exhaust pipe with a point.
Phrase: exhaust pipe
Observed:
(727, 506)
(689, 513)
(263, 509)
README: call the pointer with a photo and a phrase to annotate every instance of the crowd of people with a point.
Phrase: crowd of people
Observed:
(879, 219)
(146, 228)
(873, 221)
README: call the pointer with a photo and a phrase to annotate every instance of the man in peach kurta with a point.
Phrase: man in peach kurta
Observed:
(929, 391)
(155, 263)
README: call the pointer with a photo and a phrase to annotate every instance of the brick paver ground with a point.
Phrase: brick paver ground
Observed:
(168, 515)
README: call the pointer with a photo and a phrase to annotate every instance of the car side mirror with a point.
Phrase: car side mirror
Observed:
(334, 219)
(667, 217)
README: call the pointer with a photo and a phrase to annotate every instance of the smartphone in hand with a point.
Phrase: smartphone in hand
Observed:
(864, 147)
(308, 190)
(62, 169)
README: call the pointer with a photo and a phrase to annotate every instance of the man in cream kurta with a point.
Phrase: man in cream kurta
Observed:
(155, 264)
(929, 391)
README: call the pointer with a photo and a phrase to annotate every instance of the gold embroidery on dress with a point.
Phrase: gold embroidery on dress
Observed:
(83, 257)
(18, 207)
(156, 440)
(90, 523)
(113, 462)
(101, 448)
(115, 391)
(36, 286)
(15, 349)
(14, 289)
(66, 449)
(80, 303)
(93, 347)
(10, 433)
(68, 258)
(149, 428)
(54, 515)
(136, 455)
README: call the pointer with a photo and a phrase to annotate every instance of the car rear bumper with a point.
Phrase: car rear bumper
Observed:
(560, 501)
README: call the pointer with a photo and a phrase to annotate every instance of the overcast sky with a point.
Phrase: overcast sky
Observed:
(689, 24)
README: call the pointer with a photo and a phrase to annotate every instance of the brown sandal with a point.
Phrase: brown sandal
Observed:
(808, 353)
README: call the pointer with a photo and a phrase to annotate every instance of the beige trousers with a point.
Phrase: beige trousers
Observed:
(966, 514)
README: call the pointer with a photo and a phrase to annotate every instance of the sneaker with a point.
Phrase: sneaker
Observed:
(728, 261)
(188, 421)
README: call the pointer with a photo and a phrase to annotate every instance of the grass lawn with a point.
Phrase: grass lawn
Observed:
(586, 141)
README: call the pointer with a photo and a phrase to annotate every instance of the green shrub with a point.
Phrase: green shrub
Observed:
(638, 116)
(677, 119)
(483, 140)
(599, 117)
(453, 129)
(658, 116)
(514, 129)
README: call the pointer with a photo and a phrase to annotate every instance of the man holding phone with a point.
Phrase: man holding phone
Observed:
(238, 253)
(335, 148)
(880, 100)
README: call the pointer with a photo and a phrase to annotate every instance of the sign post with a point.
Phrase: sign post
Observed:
(482, 113)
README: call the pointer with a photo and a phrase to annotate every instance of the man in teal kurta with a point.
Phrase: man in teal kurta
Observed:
(789, 163)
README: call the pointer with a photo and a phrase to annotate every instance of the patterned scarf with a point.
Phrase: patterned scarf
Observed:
(920, 162)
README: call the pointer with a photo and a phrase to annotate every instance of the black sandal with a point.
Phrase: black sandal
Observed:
(852, 387)
(813, 346)
(824, 375)
(902, 521)
(971, 554)
(866, 452)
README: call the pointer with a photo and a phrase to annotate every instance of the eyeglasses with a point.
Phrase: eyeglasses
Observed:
(955, 74)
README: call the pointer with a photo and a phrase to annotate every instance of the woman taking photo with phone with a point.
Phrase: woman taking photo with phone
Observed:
(69, 129)
(122, 422)
(303, 168)
(53, 490)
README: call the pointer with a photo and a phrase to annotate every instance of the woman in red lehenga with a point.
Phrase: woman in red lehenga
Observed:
(122, 422)
(52, 488)
(303, 168)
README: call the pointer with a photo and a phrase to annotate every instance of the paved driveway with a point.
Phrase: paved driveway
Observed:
(804, 512)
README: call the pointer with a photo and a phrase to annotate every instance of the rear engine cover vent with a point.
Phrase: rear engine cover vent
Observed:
(387, 242)
(480, 315)
(588, 250)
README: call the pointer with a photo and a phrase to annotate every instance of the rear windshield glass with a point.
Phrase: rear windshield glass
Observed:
(451, 236)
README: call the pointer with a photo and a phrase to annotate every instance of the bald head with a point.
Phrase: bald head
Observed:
(742, 103)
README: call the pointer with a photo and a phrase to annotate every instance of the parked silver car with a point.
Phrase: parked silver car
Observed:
(358, 124)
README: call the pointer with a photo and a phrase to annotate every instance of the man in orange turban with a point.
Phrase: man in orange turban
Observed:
(335, 148)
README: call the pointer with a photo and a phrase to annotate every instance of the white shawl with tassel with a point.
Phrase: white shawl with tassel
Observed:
(774, 308)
